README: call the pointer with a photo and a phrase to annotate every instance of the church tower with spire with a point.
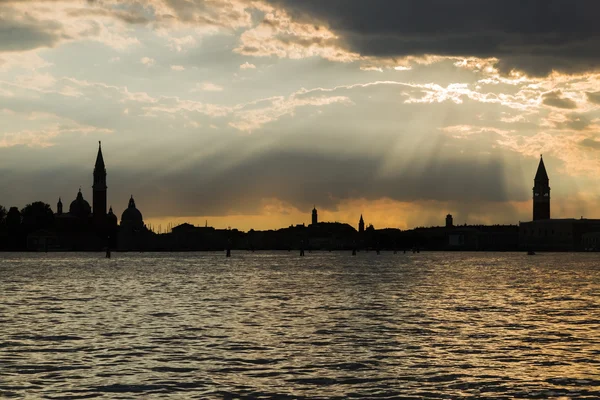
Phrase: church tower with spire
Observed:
(361, 224)
(541, 193)
(99, 187)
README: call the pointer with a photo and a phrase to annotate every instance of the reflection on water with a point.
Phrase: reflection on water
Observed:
(274, 325)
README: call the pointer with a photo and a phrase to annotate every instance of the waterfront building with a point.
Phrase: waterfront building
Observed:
(85, 226)
(544, 233)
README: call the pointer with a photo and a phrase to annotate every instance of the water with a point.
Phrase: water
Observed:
(275, 325)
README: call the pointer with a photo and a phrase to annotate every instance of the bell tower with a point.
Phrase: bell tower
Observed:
(541, 193)
(99, 187)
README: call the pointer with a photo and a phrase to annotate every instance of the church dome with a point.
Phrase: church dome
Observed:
(111, 217)
(79, 207)
(132, 216)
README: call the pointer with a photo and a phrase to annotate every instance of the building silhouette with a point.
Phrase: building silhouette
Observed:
(547, 234)
(99, 189)
(541, 193)
(132, 219)
(111, 217)
(315, 219)
(449, 221)
(133, 234)
(361, 224)
(85, 226)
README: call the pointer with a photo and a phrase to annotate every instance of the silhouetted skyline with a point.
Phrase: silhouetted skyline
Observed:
(84, 228)
(98, 216)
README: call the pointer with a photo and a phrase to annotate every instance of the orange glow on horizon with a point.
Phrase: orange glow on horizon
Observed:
(382, 213)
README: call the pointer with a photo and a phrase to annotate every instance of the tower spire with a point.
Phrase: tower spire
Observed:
(541, 193)
(541, 174)
(99, 187)
(99, 158)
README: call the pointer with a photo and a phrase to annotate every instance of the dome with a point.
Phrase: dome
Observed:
(79, 207)
(111, 217)
(132, 216)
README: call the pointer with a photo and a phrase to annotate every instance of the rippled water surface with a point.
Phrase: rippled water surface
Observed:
(275, 325)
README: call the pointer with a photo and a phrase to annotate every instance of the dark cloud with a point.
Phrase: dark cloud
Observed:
(128, 16)
(555, 99)
(591, 143)
(303, 178)
(536, 36)
(27, 34)
(593, 97)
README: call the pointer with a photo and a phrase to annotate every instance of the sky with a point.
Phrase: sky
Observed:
(247, 113)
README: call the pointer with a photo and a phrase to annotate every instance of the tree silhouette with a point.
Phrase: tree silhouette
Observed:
(3, 242)
(14, 240)
(13, 219)
(37, 215)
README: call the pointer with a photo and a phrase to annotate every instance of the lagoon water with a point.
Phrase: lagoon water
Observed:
(275, 325)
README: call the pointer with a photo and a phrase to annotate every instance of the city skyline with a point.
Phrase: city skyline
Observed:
(99, 217)
(246, 114)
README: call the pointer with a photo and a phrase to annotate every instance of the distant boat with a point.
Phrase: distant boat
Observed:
(531, 253)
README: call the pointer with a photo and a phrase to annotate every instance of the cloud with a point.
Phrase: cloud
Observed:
(29, 25)
(45, 129)
(593, 97)
(246, 117)
(206, 87)
(464, 131)
(147, 61)
(179, 44)
(94, 10)
(29, 61)
(555, 99)
(36, 80)
(573, 121)
(254, 115)
(539, 38)
(26, 33)
(247, 65)
(302, 178)
(372, 68)
(211, 87)
(177, 67)
(280, 36)
(591, 143)
(536, 37)
(32, 24)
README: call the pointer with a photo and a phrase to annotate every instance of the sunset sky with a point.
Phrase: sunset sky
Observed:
(247, 113)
